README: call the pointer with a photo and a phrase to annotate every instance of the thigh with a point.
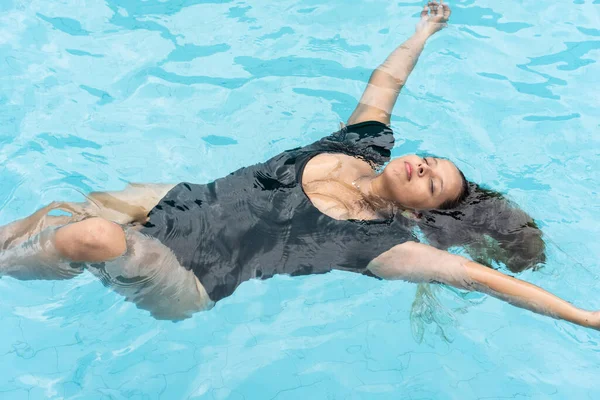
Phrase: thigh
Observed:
(129, 205)
(150, 276)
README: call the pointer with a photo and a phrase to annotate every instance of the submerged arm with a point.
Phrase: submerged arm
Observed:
(416, 262)
(387, 80)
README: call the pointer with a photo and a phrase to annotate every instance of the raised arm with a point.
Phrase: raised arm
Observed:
(416, 262)
(387, 80)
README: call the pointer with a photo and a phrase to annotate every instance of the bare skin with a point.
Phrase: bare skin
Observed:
(345, 187)
(102, 233)
(327, 181)
(129, 206)
(422, 263)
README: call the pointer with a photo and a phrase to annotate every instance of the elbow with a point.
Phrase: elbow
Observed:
(398, 82)
(385, 77)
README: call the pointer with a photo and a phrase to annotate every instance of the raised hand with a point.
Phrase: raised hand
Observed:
(387, 80)
(434, 17)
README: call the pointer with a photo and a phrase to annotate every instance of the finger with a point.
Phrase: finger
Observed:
(447, 12)
(432, 7)
(425, 12)
(440, 10)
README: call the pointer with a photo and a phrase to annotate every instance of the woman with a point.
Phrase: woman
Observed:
(176, 249)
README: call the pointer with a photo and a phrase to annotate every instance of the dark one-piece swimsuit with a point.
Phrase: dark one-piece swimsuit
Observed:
(258, 222)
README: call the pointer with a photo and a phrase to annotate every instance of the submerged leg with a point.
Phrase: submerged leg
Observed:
(58, 253)
(136, 266)
(37, 258)
(123, 207)
(131, 204)
(149, 275)
(21, 230)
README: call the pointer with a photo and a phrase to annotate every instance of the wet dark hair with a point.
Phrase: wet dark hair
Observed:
(464, 192)
(490, 228)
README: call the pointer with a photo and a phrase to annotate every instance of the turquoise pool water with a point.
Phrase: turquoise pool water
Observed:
(94, 94)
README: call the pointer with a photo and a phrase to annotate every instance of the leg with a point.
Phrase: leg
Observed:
(149, 275)
(21, 230)
(129, 205)
(134, 265)
(124, 207)
(58, 253)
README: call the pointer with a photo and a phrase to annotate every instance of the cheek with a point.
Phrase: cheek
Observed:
(392, 177)
(417, 196)
(396, 170)
(409, 194)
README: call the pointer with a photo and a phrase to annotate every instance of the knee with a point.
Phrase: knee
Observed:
(91, 240)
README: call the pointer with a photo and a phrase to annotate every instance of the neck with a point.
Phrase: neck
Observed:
(374, 193)
(377, 196)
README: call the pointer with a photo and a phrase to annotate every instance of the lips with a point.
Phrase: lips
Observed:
(408, 170)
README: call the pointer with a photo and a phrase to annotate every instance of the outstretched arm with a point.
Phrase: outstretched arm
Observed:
(416, 262)
(387, 80)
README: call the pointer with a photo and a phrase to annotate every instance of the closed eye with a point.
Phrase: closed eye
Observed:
(432, 187)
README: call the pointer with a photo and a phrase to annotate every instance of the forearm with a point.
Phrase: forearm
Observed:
(378, 99)
(523, 294)
(416, 262)
(394, 71)
(381, 93)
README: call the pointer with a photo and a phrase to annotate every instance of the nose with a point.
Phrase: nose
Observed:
(423, 169)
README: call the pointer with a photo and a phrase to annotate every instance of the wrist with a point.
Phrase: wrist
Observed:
(422, 35)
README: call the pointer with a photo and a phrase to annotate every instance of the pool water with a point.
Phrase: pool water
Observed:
(94, 94)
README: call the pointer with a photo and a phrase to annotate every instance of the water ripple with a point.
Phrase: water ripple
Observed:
(157, 7)
(66, 25)
(589, 31)
(485, 17)
(336, 44)
(190, 52)
(538, 118)
(67, 141)
(83, 53)
(276, 35)
(301, 66)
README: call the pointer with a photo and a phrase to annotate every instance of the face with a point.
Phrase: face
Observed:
(421, 183)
